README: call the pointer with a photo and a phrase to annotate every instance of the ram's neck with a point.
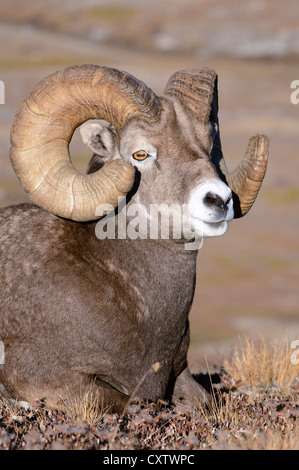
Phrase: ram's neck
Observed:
(160, 272)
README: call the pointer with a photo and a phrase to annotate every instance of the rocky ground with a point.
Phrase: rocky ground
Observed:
(235, 421)
(254, 405)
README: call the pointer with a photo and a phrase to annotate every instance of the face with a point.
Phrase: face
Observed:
(175, 168)
(175, 175)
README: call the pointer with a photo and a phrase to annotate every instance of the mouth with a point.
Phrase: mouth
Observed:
(209, 229)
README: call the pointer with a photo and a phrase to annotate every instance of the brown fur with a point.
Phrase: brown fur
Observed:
(78, 310)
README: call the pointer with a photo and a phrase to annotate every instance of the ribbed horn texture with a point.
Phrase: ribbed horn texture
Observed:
(246, 180)
(197, 91)
(194, 89)
(44, 125)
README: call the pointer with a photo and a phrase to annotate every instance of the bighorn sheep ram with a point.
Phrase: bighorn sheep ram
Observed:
(78, 311)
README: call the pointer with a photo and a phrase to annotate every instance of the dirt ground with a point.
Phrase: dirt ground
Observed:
(247, 282)
(258, 418)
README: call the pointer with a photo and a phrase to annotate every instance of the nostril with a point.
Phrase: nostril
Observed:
(212, 199)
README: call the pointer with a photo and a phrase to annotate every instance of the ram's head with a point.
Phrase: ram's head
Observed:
(167, 147)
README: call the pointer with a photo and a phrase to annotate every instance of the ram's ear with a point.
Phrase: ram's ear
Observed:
(100, 138)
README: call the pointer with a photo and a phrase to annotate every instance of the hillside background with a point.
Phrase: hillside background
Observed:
(247, 281)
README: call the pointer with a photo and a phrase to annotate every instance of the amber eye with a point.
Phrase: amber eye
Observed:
(140, 155)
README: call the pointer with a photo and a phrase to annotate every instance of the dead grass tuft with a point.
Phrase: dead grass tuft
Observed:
(263, 365)
(85, 407)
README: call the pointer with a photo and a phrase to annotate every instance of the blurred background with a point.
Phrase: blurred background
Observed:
(247, 281)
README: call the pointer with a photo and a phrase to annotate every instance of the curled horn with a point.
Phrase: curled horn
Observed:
(197, 91)
(44, 125)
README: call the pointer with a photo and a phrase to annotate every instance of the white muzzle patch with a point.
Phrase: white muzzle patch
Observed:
(211, 208)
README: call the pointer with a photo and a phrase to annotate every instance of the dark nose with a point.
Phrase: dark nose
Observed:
(212, 199)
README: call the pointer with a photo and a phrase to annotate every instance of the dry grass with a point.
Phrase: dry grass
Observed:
(234, 419)
(221, 410)
(263, 365)
(258, 419)
(275, 440)
(254, 439)
(85, 407)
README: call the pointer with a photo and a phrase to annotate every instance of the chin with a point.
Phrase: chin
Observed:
(208, 229)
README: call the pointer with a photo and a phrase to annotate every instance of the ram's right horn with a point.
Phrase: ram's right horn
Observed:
(197, 91)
